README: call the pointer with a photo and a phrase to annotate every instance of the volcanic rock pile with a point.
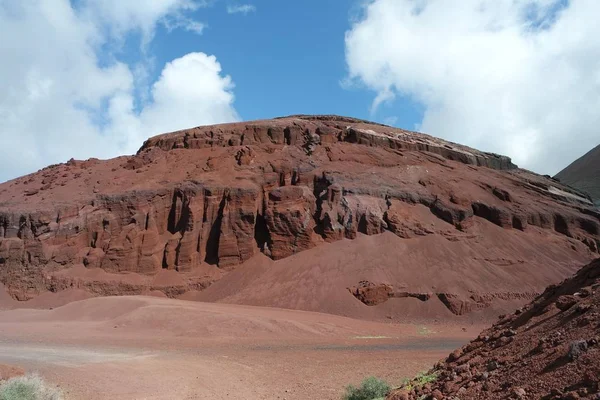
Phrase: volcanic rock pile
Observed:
(194, 205)
(549, 349)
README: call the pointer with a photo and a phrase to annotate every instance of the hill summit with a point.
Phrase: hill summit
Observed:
(324, 213)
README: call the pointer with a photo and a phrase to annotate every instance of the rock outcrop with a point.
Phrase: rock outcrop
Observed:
(372, 294)
(549, 349)
(201, 202)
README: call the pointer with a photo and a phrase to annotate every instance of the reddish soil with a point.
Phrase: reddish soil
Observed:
(10, 371)
(151, 348)
(549, 349)
(413, 237)
(321, 279)
(295, 212)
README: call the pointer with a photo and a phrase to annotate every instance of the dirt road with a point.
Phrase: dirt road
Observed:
(151, 348)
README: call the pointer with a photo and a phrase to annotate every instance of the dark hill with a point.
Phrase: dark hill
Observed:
(584, 174)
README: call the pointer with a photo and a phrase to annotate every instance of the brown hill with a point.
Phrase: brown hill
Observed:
(584, 174)
(321, 213)
(549, 349)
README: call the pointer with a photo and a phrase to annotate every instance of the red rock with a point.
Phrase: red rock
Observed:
(399, 395)
(524, 369)
(455, 355)
(218, 195)
(563, 303)
(450, 387)
(289, 217)
(455, 304)
(372, 294)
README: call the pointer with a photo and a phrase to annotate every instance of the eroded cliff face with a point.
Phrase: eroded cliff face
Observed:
(203, 201)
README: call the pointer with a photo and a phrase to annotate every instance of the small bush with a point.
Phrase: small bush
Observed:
(370, 389)
(420, 380)
(29, 387)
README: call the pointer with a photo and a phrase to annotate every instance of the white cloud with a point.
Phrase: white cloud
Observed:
(240, 8)
(122, 16)
(185, 23)
(518, 77)
(61, 98)
(190, 88)
(390, 120)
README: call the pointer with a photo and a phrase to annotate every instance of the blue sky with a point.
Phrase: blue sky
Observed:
(95, 78)
(285, 58)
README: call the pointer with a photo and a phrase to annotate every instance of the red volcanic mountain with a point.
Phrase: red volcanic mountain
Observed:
(321, 213)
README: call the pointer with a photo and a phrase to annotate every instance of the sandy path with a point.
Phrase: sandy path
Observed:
(64, 356)
(146, 348)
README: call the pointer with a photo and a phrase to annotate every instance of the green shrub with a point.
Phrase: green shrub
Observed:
(29, 387)
(421, 379)
(370, 389)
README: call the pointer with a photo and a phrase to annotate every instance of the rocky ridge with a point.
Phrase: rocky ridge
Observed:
(549, 349)
(193, 205)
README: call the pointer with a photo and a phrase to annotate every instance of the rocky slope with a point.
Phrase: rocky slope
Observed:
(584, 174)
(549, 349)
(204, 205)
